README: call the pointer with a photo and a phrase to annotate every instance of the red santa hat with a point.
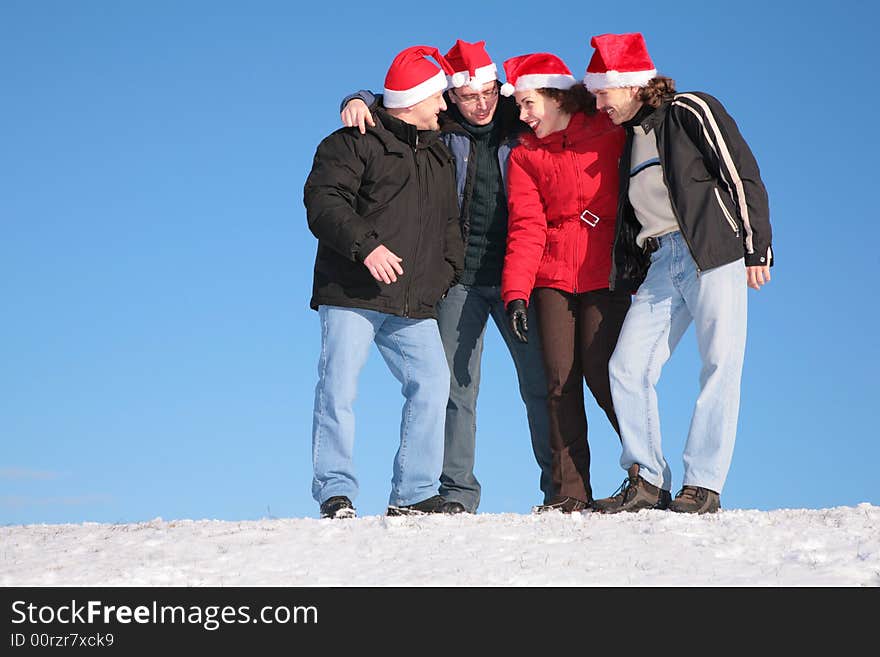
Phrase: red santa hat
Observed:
(412, 78)
(536, 71)
(620, 60)
(471, 64)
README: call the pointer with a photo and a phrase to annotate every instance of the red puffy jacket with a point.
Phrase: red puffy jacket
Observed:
(551, 184)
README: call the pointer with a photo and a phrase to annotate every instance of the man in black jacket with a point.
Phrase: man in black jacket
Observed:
(693, 232)
(383, 207)
(480, 128)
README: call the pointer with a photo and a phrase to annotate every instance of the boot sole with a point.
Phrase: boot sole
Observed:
(659, 506)
(397, 511)
(698, 512)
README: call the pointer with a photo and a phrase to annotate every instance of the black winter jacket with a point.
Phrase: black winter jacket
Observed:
(393, 186)
(714, 185)
(461, 145)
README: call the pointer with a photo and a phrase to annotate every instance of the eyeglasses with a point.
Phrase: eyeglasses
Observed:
(472, 99)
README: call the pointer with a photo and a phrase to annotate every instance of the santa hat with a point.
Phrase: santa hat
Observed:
(620, 60)
(536, 71)
(471, 64)
(412, 78)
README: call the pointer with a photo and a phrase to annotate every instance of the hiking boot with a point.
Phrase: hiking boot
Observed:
(635, 494)
(563, 504)
(694, 499)
(603, 504)
(430, 505)
(338, 507)
(452, 508)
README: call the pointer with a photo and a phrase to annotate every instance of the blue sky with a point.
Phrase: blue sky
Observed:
(158, 353)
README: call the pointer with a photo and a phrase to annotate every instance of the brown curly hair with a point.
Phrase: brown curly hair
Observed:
(572, 100)
(658, 91)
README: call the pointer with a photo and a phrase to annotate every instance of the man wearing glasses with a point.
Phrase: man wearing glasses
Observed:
(480, 128)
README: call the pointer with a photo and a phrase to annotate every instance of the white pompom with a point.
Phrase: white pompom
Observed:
(507, 89)
(459, 79)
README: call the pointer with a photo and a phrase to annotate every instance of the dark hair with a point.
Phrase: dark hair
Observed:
(572, 100)
(658, 91)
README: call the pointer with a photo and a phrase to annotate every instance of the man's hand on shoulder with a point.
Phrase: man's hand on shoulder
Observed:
(356, 114)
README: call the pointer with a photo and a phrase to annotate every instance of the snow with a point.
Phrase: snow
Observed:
(787, 547)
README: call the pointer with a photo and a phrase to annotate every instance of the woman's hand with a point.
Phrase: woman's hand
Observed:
(518, 318)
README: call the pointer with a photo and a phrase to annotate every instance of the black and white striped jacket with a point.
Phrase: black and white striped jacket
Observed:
(714, 185)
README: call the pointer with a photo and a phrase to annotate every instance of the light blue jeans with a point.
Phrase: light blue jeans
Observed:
(673, 295)
(414, 355)
(462, 316)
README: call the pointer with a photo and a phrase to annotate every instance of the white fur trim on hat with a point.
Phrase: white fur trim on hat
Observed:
(543, 81)
(409, 97)
(481, 76)
(616, 79)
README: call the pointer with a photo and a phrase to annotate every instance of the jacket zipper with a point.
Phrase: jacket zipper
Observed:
(577, 242)
(726, 213)
(618, 214)
(420, 219)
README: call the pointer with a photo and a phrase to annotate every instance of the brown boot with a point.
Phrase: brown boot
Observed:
(634, 494)
(603, 504)
(563, 504)
(694, 499)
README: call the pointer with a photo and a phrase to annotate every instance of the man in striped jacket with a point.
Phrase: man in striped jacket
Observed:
(693, 231)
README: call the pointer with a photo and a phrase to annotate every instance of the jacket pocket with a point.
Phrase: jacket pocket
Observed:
(553, 262)
(551, 242)
(726, 212)
(436, 285)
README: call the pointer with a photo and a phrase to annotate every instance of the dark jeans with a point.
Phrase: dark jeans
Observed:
(578, 334)
(462, 317)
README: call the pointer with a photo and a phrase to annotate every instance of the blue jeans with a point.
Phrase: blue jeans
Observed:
(414, 355)
(673, 295)
(462, 317)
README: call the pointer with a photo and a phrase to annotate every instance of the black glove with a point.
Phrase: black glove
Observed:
(517, 316)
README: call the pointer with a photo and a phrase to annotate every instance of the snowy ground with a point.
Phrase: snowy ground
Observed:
(791, 547)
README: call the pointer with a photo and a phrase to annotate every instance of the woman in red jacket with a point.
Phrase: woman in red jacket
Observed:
(562, 186)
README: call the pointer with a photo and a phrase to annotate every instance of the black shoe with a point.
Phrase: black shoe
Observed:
(452, 508)
(635, 494)
(563, 504)
(694, 499)
(338, 507)
(430, 505)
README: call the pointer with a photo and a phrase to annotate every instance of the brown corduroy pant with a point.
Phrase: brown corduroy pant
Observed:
(578, 335)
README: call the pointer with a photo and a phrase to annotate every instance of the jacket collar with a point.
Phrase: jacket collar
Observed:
(452, 120)
(570, 135)
(395, 134)
(647, 117)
